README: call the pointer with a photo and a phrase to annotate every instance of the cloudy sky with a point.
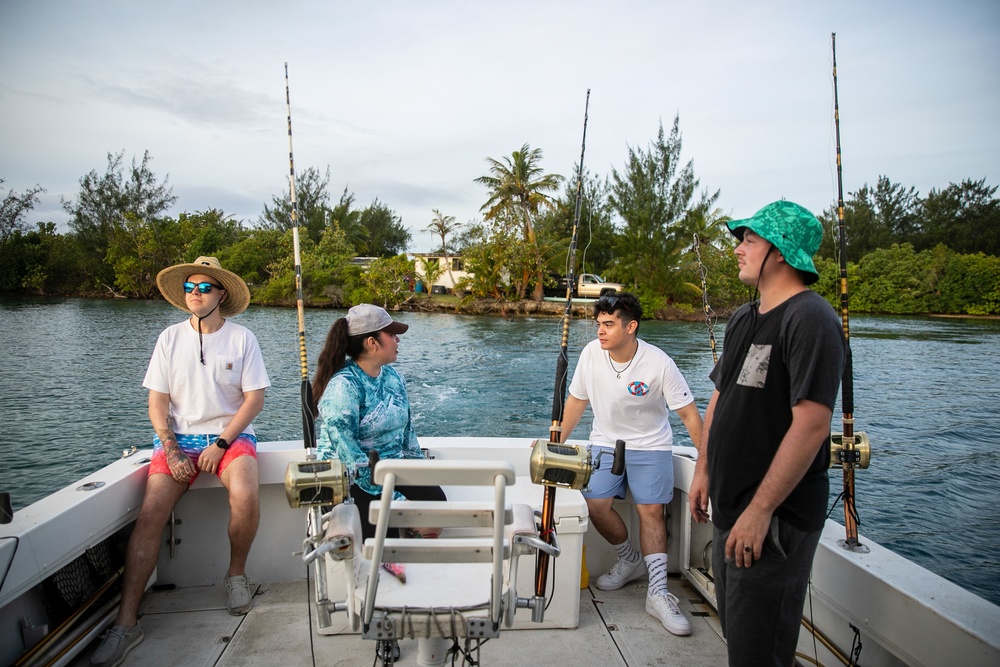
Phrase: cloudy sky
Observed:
(404, 101)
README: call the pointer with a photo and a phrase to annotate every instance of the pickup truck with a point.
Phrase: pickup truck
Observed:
(588, 285)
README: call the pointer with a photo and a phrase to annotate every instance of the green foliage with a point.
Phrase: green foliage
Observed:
(326, 269)
(596, 233)
(138, 249)
(495, 259)
(386, 281)
(970, 284)
(208, 233)
(889, 281)
(311, 205)
(873, 218)
(654, 196)
(432, 270)
(518, 190)
(828, 285)
(13, 231)
(442, 225)
(963, 216)
(13, 211)
(385, 231)
(99, 214)
(279, 290)
(257, 255)
(908, 254)
(725, 292)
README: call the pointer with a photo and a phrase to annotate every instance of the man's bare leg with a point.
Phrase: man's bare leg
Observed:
(162, 493)
(241, 480)
(652, 529)
(606, 520)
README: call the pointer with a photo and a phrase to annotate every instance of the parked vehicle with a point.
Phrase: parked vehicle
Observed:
(588, 286)
(591, 285)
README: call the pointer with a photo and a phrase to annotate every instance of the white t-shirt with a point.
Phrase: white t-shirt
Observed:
(633, 407)
(204, 398)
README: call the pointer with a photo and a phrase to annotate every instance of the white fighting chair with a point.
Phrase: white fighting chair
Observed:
(460, 586)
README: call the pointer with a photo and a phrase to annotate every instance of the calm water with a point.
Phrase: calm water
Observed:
(926, 392)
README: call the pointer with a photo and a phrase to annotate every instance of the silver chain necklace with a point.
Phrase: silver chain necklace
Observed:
(612, 363)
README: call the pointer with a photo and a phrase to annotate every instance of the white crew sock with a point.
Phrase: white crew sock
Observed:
(656, 566)
(627, 552)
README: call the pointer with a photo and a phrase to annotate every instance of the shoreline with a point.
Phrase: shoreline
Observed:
(425, 303)
(530, 308)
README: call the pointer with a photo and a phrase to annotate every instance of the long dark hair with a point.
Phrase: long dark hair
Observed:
(336, 349)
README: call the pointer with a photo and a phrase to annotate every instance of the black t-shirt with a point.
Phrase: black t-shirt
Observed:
(770, 362)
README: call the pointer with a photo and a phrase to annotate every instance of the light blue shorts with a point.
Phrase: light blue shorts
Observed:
(648, 475)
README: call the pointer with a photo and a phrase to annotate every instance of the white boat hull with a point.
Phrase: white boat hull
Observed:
(904, 614)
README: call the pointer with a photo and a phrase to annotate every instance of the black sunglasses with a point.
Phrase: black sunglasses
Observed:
(204, 288)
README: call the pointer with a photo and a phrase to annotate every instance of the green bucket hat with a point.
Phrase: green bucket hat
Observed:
(790, 228)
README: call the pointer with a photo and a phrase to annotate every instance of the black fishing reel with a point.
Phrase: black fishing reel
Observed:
(569, 466)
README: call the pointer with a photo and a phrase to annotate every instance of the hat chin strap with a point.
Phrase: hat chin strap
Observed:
(760, 273)
(201, 346)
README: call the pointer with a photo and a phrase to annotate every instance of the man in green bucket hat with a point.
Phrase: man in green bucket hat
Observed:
(764, 456)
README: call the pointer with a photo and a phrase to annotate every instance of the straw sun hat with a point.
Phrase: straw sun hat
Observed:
(171, 283)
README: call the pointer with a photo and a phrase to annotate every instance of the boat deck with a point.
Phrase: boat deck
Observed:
(191, 627)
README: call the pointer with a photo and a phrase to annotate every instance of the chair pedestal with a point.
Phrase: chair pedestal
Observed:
(432, 651)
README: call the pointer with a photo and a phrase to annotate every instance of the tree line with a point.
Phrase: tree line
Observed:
(649, 224)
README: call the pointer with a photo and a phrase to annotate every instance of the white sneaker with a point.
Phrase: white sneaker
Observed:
(621, 573)
(664, 607)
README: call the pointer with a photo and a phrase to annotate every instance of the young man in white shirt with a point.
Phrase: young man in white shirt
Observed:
(631, 386)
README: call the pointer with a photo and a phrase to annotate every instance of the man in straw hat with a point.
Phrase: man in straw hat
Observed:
(206, 382)
(763, 459)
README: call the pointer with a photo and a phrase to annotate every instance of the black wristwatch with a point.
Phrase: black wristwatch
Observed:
(222, 443)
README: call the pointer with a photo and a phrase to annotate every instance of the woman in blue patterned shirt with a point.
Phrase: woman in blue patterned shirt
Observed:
(361, 400)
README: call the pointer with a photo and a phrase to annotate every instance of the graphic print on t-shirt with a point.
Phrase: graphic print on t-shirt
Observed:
(638, 388)
(754, 372)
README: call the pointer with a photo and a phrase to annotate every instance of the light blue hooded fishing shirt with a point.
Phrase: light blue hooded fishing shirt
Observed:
(359, 413)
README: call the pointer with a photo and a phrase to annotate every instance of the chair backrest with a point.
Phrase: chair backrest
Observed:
(458, 545)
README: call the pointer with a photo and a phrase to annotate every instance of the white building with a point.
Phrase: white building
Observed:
(444, 273)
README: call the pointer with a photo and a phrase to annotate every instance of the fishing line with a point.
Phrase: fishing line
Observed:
(305, 391)
(710, 316)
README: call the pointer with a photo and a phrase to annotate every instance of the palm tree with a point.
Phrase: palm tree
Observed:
(518, 184)
(442, 225)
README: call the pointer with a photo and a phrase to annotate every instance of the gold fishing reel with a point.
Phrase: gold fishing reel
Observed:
(311, 483)
(560, 465)
(857, 457)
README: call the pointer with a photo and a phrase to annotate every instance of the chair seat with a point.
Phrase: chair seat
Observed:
(464, 586)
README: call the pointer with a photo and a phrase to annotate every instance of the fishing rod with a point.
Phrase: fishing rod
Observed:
(308, 418)
(853, 451)
(312, 484)
(562, 364)
(552, 463)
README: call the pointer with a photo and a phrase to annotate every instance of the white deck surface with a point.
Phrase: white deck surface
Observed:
(191, 627)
